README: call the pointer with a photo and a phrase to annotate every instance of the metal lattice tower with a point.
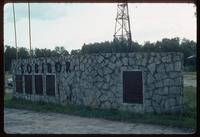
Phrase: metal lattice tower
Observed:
(122, 25)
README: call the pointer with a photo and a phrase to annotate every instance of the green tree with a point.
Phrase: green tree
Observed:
(60, 51)
(23, 53)
(76, 52)
(168, 45)
(42, 52)
(9, 55)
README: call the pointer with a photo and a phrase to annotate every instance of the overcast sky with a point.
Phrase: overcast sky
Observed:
(73, 24)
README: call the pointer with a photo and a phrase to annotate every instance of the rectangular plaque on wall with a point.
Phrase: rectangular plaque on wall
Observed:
(132, 87)
(28, 84)
(19, 87)
(50, 85)
(38, 85)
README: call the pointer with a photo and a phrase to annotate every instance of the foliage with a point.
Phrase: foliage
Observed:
(10, 54)
(75, 52)
(42, 52)
(60, 51)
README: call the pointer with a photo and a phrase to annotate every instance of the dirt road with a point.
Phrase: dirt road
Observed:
(24, 121)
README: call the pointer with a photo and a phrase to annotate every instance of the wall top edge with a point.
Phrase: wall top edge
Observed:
(102, 54)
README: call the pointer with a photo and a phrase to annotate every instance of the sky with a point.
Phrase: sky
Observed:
(72, 24)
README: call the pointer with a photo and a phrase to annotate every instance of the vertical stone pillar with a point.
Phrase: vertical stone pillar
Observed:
(33, 87)
(23, 84)
(44, 79)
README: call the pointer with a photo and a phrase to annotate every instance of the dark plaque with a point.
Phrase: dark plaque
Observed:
(132, 87)
(50, 85)
(42, 67)
(19, 87)
(38, 85)
(28, 84)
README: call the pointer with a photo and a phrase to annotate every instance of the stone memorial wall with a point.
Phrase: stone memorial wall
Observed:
(137, 82)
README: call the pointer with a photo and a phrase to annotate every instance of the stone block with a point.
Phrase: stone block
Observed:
(82, 67)
(176, 109)
(107, 55)
(131, 61)
(147, 102)
(166, 105)
(157, 60)
(155, 104)
(151, 59)
(169, 67)
(76, 68)
(118, 64)
(138, 56)
(125, 61)
(172, 101)
(107, 70)
(174, 90)
(166, 58)
(144, 62)
(111, 66)
(118, 55)
(150, 79)
(85, 60)
(161, 68)
(100, 59)
(177, 66)
(159, 84)
(149, 109)
(174, 74)
(100, 72)
(157, 97)
(179, 100)
(115, 105)
(99, 79)
(167, 82)
(105, 86)
(108, 78)
(106, 105)
(178, 81)
(113, 59)
(176, 58)
(152, 68)
(165, 91)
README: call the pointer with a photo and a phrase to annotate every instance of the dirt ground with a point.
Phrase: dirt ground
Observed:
(29, 122)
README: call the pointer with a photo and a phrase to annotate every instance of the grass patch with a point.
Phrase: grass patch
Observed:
(190, 77)
(190, 101)
(7, 97)
(186, 120)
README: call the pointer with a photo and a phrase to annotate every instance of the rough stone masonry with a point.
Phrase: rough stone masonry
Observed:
(96, 80)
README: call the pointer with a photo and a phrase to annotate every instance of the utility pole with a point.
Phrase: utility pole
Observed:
(122, 32)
